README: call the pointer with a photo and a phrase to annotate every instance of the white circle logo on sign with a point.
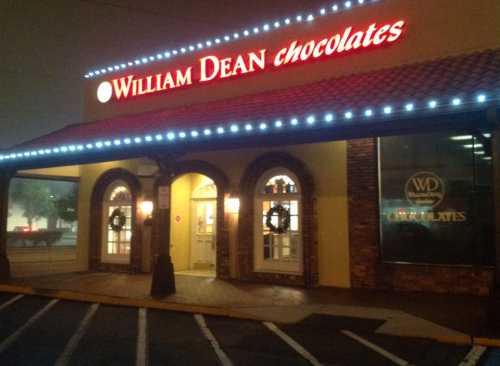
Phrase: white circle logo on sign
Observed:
(104, 92)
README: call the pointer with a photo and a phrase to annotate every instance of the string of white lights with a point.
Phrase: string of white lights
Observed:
(320, 120)
(307, 17)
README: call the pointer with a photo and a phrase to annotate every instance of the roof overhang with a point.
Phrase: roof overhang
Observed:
(455, 93)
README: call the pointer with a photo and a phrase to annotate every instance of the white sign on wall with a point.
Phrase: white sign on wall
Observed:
(164, 197)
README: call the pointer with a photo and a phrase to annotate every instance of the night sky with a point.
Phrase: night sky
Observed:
(46, 45)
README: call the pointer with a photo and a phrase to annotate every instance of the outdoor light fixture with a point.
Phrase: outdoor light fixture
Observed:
(232, 205)
(146, 208)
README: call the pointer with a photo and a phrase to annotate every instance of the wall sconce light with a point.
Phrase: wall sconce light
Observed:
(232, 205)
(146, 208)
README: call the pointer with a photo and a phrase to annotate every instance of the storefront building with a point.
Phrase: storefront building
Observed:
(350, 146)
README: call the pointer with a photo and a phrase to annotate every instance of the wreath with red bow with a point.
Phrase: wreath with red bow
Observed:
(117, 220)
(283, 219)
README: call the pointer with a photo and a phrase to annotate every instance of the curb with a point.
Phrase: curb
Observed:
(487, 342)
(463, 340)
(123, 301)
(459, 340)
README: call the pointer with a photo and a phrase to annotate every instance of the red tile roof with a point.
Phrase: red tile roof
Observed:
(448, 77)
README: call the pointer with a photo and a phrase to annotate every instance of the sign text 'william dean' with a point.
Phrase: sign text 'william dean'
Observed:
(213, 67)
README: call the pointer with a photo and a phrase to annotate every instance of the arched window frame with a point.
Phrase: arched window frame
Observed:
(278, 265)
(108, 202)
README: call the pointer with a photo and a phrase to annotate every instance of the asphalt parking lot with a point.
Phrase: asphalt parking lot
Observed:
(43, 331)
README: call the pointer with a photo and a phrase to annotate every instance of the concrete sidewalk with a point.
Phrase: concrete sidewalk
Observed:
(447, 318)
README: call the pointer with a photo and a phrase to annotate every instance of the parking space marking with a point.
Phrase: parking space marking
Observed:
(12, 338)
(472, 358)
(75, 338)
(225, 361)
(397, 360)
(292, 343)
(142, 339)
(11, 301)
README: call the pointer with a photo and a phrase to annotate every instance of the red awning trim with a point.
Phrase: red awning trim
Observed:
(322, 120)
(452, 85)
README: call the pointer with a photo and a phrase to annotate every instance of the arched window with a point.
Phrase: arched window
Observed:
(117, 223)
(278, 237)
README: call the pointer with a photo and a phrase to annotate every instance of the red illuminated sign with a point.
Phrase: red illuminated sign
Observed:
(212, 67)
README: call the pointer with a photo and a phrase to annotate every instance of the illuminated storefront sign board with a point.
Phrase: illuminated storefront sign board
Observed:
(212, 67)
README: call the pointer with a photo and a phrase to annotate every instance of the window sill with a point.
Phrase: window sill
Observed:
(278, 271)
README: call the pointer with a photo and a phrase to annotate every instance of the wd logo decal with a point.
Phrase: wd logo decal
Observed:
(425, 189)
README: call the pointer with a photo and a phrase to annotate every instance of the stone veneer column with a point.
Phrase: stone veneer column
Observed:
(363, 211)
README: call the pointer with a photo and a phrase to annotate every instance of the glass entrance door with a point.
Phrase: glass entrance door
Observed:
(117, 223)
(203, 238)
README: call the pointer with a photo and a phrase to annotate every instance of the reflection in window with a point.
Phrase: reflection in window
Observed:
(42, 213)
(278, 240)
(280, 184)
(120, 193)
(436, 200)
(281, 246)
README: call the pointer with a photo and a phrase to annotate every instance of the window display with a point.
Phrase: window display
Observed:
(436, 199)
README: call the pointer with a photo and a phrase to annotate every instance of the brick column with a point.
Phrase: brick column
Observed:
(163, 282)
(363, 212)
(496, 195)
(5, 177)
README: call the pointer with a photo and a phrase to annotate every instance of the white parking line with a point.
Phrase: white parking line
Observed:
(397, 360)
(292, 343)
(225, 361)
(142, 339)
(472, 358)
(10, 339)
(11, 301)
(76, 337)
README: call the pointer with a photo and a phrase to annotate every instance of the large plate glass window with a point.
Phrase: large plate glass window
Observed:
(278, 237)
(42, 224)
(436, 199)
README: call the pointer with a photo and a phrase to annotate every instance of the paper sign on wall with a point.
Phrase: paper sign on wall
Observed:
(164, 197)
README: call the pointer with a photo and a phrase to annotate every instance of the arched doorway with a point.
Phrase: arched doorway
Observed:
(276, 235)
(277, 222)
(111, 249)
(193, 234)
(117, 224)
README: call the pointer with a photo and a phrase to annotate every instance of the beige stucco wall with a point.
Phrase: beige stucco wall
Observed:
(434, 29)
(180, 230)
(327, 163)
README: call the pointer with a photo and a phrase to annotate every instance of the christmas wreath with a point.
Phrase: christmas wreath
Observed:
(283, 219)
(117, 220)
